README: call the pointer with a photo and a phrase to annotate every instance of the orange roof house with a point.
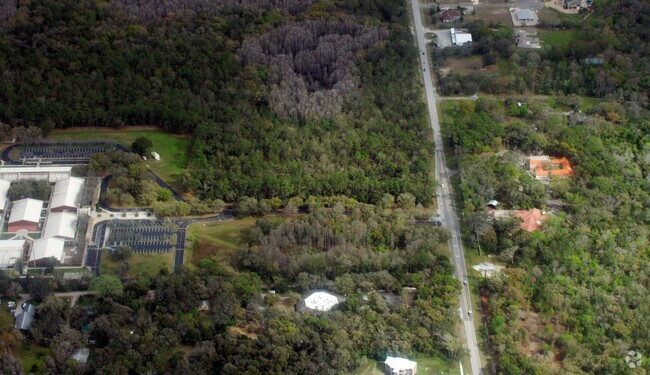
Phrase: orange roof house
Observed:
(532, 219)
(543, 167)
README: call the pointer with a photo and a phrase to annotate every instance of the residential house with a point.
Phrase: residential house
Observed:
(25, 319)
(450, 15)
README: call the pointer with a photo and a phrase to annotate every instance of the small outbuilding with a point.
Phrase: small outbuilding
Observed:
(155, 155)
(493, 203)
(81, 355)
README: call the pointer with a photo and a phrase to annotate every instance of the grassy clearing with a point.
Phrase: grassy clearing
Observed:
(6, 319)
(140, 263)
(173, 149)
(219, 239)
(438, 365)
(32, 357)
(558, 38)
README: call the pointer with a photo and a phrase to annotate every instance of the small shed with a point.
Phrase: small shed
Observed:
(493, 203)
(81, 355)
(155, 155)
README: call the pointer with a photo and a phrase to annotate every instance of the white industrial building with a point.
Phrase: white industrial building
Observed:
(460, 38)
(400, 366)
(47, 173)
(4, 189)
(46, 248)
(11, 251)
(61, 225)
(65, 196)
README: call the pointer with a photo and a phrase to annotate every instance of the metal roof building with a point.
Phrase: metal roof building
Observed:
(60, 224)
(46, 248)
(525, 15)
(24, 319)
(10, 252)
(65, 194)
(459, 38)
(25, 214)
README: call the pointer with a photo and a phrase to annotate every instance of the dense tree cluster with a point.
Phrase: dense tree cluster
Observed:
(29, 189)
(379, 144)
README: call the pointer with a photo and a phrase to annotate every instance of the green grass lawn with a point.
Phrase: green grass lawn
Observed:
(560, 38)
(172, 148)
(6, 319)
(32, 355)
(140, 263)
(426, 366)
(219, 239)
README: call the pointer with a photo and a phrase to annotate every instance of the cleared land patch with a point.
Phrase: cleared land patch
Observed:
(173, 149)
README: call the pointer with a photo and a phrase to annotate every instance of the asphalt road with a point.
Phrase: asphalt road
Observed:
(445, 197)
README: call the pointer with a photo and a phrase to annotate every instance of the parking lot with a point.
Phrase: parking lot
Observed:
(143, 236)
(62, 152)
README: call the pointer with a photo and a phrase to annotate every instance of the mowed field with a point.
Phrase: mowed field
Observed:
(173, 149)
(220, 240)
(149, 264)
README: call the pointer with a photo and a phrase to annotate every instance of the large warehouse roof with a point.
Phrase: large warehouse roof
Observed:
(66, 191)
(47, 247)
(26, 209)
(60, 224)
(10, 252)
(4, 189)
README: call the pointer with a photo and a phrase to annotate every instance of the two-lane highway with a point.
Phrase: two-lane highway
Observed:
(445, 197)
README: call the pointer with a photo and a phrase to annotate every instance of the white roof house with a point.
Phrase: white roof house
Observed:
(400, 366)
(460, 38)
(4, 189)
(66, 192)
(60, 224)
(321, 301)
(47, 247)
(27, 209)
(10, 252)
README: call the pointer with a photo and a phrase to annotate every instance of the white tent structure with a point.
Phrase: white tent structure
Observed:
(46, 248)
(400, 366)
(60, 224)
(321, 301)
